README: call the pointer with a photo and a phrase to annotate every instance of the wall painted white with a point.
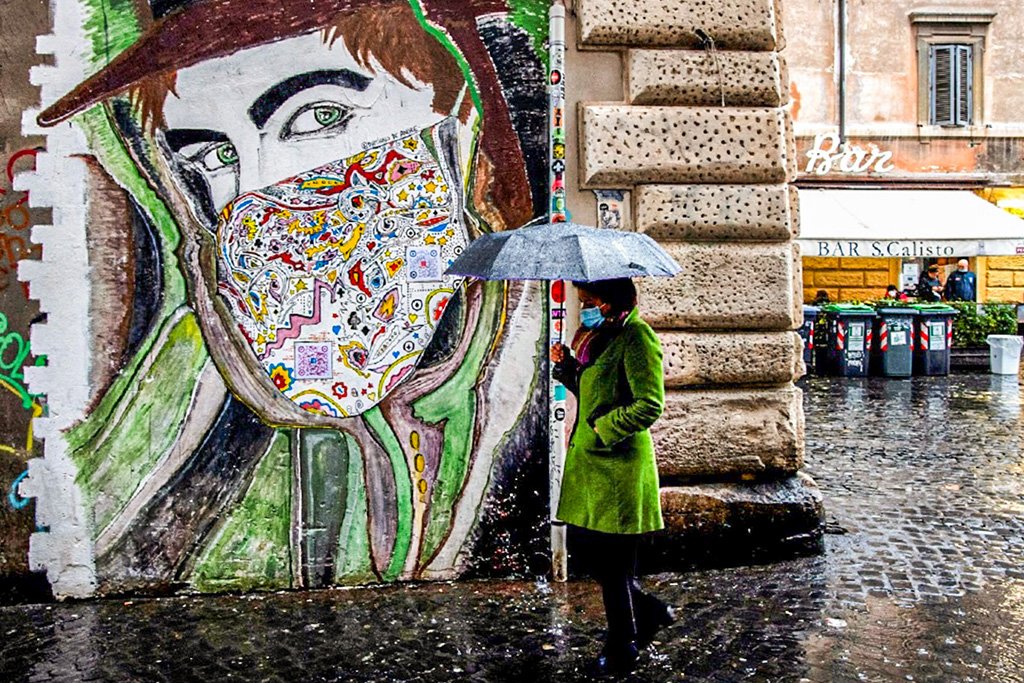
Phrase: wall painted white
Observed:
(60, 283)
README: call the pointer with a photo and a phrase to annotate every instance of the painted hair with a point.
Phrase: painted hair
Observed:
(389, 35)
(619, 293)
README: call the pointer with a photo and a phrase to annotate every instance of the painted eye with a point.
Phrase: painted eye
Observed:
(227, 154)
(317, 118)
(326, 116)
(218, 156)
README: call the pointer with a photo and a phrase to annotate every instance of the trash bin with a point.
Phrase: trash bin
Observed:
(893, 352)
(934, 335)
(1004, 353)
(843, 340)
(807, 334)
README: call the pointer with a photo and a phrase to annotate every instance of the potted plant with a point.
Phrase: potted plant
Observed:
(971, 328)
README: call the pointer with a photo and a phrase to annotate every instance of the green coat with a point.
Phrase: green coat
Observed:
(610, 482)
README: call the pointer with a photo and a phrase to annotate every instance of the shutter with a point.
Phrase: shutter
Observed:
(964, 85)
(942, 85)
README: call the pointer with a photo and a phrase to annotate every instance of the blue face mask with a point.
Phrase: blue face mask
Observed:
(591, 317)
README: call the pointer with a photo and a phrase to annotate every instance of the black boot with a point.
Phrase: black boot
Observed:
(618, 658)
(651, 614)
(648, 626)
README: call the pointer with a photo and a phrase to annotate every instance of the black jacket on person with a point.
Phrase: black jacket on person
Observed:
(924, 288)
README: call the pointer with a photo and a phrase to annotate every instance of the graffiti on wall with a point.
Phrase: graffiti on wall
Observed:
(15, 220)
(303, 398)
(19, 406)
(14, 356)
(22, 453)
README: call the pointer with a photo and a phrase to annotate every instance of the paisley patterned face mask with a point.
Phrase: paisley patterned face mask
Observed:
(335, 276)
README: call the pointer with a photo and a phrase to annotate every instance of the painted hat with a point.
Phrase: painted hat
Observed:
(186, 32)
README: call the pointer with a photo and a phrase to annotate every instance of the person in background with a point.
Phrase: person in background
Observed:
(892, 292)
(821, 298)
(962, 284)
(609, 496)
(929, 287)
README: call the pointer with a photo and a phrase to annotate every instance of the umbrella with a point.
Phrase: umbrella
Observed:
(563, 251)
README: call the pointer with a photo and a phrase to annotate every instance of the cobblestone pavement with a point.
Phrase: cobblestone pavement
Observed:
(922, 581)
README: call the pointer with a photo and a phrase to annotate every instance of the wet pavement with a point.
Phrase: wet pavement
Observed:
(923, 580)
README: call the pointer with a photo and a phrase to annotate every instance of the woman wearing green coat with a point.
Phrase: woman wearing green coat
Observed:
(609, 494)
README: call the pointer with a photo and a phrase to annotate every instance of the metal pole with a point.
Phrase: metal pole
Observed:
(841, 68)
(556, 290)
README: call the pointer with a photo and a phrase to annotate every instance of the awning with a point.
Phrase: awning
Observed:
(905, 223)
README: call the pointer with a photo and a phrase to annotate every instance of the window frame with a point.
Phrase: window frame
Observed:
(957, 85)
(961, 26)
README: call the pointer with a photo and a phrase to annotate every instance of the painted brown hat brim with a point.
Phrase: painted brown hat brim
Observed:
(215, 28)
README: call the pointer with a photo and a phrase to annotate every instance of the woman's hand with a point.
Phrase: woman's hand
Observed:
(559, 352)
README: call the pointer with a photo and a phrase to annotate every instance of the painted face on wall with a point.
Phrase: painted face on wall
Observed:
(287, 107)
(230, 113)
(339, 193)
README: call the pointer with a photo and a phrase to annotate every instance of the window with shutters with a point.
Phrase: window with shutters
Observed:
(951, 85)
(950, 51)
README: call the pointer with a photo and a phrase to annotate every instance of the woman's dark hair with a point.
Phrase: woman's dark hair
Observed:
(619, 293)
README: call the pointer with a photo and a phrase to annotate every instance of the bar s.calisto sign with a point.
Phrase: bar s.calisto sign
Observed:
(910, 248)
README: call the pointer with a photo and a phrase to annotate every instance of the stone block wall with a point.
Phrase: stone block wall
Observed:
(849, 279)
(1001, 278)
(702, 143)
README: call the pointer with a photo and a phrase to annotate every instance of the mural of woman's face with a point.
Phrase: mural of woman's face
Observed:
(331, 279)
(286, 107)
(303, 397)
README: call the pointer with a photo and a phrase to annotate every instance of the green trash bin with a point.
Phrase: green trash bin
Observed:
(933, 335)
(843, 337)
(893, 352)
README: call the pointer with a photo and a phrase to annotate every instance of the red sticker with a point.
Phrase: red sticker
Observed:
(558, 291)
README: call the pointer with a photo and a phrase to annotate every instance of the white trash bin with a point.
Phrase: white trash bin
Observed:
(1004, 353)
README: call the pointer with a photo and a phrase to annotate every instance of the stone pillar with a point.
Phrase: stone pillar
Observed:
(704, 147)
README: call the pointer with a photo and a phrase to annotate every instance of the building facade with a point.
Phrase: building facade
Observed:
(251, 373)
(921, 100)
